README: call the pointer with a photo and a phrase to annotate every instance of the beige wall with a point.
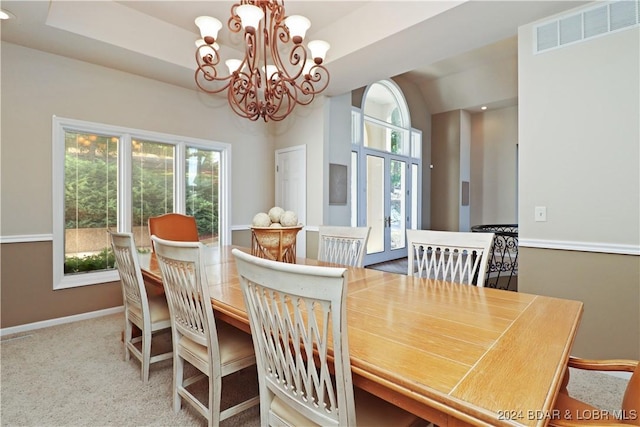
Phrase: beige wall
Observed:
(27, 288)
(607, 284)
(494, 139)
(445, 175)
(579, 155)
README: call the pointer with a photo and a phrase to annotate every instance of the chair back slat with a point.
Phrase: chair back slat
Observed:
(298, 324)
(133, 290)
(186, 296)
(459, 257)
(342, 245)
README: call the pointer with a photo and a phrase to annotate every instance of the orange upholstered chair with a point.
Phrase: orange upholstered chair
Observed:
(174, 226)
(573, 412)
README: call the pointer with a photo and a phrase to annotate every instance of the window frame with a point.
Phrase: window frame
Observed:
(61, 125)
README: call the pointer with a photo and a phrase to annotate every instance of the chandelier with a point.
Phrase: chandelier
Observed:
(267, 82)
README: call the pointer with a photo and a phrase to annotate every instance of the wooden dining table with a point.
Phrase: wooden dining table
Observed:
(453, 354)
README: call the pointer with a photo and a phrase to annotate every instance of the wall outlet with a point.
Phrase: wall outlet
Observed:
(540, 213)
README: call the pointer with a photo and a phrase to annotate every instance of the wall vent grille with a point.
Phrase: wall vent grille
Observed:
(604, 18)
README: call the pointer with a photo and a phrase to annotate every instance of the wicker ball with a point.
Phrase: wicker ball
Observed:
(289, 219)
(275, 225)
(261, 219)
(275, 213)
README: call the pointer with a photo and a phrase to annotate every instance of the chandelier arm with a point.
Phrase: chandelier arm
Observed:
(316, 81)
(280, 35)
(234, 23)
(239, 97)
(278, 113)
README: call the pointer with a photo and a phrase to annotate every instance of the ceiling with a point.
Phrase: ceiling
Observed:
(370, 40)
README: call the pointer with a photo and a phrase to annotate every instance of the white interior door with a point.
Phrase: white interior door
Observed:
(291, 188)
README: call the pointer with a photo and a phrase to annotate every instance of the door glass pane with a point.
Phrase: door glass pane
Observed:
(375, 203)
(202, 192)
(90, 201)
(398, 203)
(152, 180)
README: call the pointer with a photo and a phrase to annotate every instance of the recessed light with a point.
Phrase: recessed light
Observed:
(484, 107)
(5, 14)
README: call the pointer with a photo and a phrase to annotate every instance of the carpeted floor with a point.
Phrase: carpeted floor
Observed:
(75, 375)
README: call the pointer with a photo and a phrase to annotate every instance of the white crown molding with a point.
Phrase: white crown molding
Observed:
(607, 248)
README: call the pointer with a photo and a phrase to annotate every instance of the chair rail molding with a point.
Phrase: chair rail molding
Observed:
(26, 238)
(607, 248)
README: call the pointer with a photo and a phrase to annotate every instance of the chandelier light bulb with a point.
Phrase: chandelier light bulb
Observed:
(233, 65)
(298, 26)
(209, 28)
(250, 17)
(318, 50)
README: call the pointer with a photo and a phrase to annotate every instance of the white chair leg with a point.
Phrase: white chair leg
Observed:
(178, 377)
(215, 385)
(127, 338)
(146, 355)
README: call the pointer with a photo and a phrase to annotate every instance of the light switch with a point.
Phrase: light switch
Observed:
(540, 213)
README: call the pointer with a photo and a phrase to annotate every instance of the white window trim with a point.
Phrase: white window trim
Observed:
(60, 125)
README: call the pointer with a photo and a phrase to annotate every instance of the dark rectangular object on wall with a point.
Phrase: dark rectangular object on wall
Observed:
(337, 184)
(465, 193)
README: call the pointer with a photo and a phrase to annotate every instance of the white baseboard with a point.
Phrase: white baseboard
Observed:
(59, 321)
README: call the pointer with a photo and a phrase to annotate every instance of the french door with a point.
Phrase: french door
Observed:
(387, 204)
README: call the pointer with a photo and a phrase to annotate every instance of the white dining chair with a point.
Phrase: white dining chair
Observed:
(216, 349)
(342, 245)
(149, 313)
(298, 320)
(454, 256)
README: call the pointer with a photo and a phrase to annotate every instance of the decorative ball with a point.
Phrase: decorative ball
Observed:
(275, 225)
(289, 219)
(261, 219)
(275, 213)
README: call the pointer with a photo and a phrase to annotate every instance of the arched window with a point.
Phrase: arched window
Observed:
(387, 123)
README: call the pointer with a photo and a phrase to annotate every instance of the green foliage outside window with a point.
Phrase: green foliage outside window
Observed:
(91, 192)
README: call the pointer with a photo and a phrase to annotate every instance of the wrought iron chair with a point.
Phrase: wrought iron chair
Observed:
(149, 313)
(571, 412)
(342, 245)
(502, 268)
(453, 256)
(215, 349)
(174, 226)
(297, 313)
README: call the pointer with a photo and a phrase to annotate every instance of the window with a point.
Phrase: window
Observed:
(386, 170)
(111, 178)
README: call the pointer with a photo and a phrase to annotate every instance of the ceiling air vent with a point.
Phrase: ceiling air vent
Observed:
(586, 23)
